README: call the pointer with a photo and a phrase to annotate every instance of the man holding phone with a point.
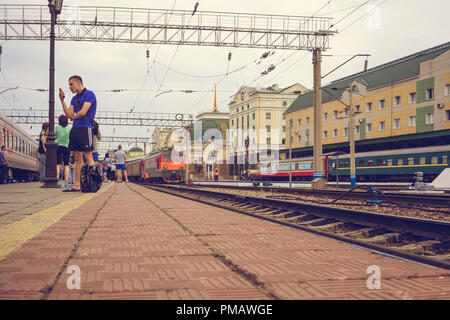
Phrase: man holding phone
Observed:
(83, 107)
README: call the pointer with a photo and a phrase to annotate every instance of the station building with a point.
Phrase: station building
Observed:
(258, 110)
(403, 103)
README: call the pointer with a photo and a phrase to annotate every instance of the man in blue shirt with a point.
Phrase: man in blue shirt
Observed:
(82, 111)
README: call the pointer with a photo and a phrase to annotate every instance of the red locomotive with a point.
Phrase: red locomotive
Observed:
(158, 168)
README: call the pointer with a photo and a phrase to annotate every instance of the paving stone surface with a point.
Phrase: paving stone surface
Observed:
(130, 242)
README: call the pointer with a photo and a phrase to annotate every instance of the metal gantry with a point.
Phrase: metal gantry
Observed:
(112, 118)
(156, 26)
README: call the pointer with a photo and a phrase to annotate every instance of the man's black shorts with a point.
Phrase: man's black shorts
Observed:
(62, 155)
(80, 139)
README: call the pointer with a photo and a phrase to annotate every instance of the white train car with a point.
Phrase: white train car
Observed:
(21, 151)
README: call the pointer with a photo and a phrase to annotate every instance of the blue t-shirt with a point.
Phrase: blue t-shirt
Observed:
(84, 96)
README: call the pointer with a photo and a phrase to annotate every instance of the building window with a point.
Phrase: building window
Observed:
(283, 141)
(335, 114)
(292, 140)
(254, 116)
(369, 107)
(237, 123)
(429, 118)
(445, 159)
(447, 113)
(400, 161)
(307, 120)
(447, 89)
(410, 161)
(412, 121)
(381, 104)
(248, 121)
(434, 159)
(397, 123)
(412, 97)
(299, 137)
(232, 123)
(267, 103)
(248, 106)
(299, 122)
(268, 141)
(397, 100)
(369, 127)
(284, 103)
(268, 128)
(325, 134)
(346, 112)
(267, 115)
(429, 94)
(284, 128)
(335, 133)
(325, 116)
(242, 123)
(345, 132)
(382, 125)
(307, 137)
(356, 129)
(357, 108)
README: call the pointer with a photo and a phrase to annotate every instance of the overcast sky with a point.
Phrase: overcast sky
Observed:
(393, 29)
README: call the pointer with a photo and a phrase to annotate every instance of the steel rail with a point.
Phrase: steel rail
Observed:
(432, 199)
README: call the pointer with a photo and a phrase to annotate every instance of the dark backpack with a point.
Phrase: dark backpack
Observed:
(91, 178)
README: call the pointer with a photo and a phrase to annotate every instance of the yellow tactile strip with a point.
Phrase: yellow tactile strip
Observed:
(13, 235)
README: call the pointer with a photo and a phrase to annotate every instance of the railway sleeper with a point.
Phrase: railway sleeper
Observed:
(310, 221)
(428, 247)
(271, 212)
(323, 222)
(283, 215)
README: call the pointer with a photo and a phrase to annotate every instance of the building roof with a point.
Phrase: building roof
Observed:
(391, 72)
(217, 124)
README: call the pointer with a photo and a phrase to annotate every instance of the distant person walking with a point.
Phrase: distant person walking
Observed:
(42, 152)
(107, 164)
(83, 107)
(62, 153)
(121, 160)
(216, 175)
(3, 165)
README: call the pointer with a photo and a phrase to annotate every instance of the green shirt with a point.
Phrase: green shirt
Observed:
(62, 135)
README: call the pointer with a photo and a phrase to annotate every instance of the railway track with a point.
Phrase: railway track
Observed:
(420, 240)
(439, 200)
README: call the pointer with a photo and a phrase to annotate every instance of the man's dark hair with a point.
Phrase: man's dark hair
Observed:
(3, 147)
(63, 121)
(76, 78)
(45, 125)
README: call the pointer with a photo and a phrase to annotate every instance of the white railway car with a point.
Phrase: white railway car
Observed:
(21, 151)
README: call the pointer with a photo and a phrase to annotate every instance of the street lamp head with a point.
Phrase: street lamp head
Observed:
(56, 5)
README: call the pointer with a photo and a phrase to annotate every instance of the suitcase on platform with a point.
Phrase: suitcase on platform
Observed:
(91, 178)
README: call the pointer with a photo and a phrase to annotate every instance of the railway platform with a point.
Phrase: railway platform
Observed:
(129, 242)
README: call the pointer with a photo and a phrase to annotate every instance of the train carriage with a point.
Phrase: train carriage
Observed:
(397, 165)
(392, 165)
(21, 151)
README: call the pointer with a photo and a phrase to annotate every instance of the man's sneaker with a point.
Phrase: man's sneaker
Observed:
(67, 185)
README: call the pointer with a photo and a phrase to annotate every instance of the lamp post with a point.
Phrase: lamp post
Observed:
(246, 143)
(290, 153)
(352, 136)
(55, 7)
